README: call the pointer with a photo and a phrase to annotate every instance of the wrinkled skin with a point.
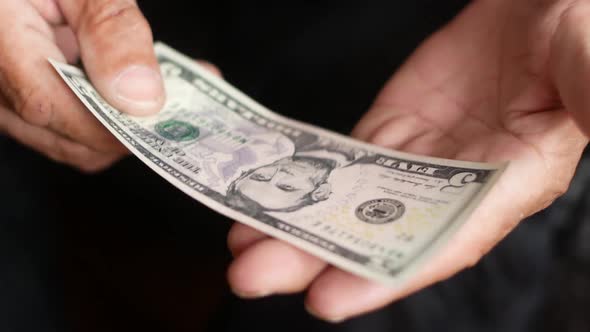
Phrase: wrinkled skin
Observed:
(37, 109)
(505, 80)
(111, 37)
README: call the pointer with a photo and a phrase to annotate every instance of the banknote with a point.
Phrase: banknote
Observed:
(371, 211)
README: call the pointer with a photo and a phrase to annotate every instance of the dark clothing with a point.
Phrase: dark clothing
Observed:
(125, 251)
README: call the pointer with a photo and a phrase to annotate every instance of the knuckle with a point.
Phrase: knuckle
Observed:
(471, 260)
(60, 149)
(473, 253)
(70, 153)
(557, 188)
(34, 107)
(570, 19)
(49, 10)
(558, 191)
(574, 14)
(90, 162)
(101, 16)
(55, 150)
(84, 159)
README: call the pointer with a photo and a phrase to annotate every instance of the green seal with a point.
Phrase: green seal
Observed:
(178, 131)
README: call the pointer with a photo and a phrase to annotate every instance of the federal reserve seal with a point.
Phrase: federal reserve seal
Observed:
(380, 211)
(178, 131)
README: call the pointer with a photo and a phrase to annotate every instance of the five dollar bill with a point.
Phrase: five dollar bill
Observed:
(373, 212)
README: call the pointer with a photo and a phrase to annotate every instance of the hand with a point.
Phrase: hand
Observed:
(115, 43)
(506, 80)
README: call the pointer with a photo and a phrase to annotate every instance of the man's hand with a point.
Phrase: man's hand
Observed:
(506, 80)
(114, 42)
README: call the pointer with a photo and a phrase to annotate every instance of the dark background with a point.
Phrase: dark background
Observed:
(125, 251)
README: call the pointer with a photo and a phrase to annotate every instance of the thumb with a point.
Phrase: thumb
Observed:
(117, 51)
(570, 62)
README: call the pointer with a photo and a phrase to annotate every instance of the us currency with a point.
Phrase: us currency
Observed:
(371, 211)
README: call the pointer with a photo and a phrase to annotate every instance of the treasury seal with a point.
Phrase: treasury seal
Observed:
(178, 131)
(380, 211)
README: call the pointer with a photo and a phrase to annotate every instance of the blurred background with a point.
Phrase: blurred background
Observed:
(125, 251)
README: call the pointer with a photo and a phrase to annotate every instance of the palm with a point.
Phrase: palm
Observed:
(463, 104)
(482, 89)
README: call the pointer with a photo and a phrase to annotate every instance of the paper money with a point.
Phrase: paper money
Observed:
(371, 211)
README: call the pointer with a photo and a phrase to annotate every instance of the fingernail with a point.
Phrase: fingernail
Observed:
(141, 87)
(334, 320)
(251, 294)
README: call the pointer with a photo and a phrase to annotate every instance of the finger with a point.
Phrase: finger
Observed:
(54, 146)
(272, 267)
(323, 302)
(329, 296)
(49, 10)
(570, 61)
(210, 67)
(241, 237)
(371, 123)
(67, 43)
(33, 88)
(117, 51)
(407, 133)
(384, 109)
